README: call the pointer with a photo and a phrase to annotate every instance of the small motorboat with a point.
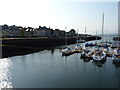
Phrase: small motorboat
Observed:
(100, 44)
(77, 49)
(106, 44)
(67, 51)
(107, 51)
(80, 41)
(86, 44)
(116, 56)
(87, 55)
(114, 45)
(90, 44)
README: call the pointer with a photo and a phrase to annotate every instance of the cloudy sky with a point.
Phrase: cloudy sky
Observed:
(59, 14)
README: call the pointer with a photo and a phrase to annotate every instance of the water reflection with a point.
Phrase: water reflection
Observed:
(52, 51)
(65, 67)
(86, 60)
(5, 73)
(117, 65)
(99, 64)
(117, 77)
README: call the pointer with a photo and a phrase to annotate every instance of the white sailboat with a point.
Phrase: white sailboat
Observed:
(99, 54)
(77, 47)
(87, 53)
(67, 50)
(96, 44)
(89, 44)
(82, 40)
(106, 46)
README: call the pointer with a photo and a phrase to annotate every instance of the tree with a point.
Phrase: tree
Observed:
(22, 32)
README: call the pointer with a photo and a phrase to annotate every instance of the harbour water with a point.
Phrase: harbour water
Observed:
(49, 69)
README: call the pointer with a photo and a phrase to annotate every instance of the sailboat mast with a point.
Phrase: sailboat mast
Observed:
(110, 37)
(102, 27)
(106, 35)
(77, 36)
(96, 36)
(65, 36)
(119, 23)
(85, 32)
(85, 29)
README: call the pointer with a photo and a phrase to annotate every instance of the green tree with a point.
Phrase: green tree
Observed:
(22, 32)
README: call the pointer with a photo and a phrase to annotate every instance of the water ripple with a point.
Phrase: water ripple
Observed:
(5, 73)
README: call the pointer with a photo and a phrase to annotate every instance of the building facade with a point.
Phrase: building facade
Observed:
(13, 31)
(39, 32)
(72, 32)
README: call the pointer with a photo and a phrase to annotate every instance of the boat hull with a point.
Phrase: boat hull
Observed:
(116, 60)
(99, 58)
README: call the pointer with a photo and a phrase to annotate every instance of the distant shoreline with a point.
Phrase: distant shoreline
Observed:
(21, 46)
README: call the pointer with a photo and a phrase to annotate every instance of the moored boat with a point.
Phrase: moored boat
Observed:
(67, 51)
(107, 51)
(90, 44)
(77, 49)
(116, 56)
(99, 56)
(87, 55)
(80, 41)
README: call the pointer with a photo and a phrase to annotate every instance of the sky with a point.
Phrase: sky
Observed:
(73, 14)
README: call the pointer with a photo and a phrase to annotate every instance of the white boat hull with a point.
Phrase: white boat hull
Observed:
(99, 57)
(66, 51)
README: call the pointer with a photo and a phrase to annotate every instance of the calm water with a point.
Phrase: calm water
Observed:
(48, 69)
